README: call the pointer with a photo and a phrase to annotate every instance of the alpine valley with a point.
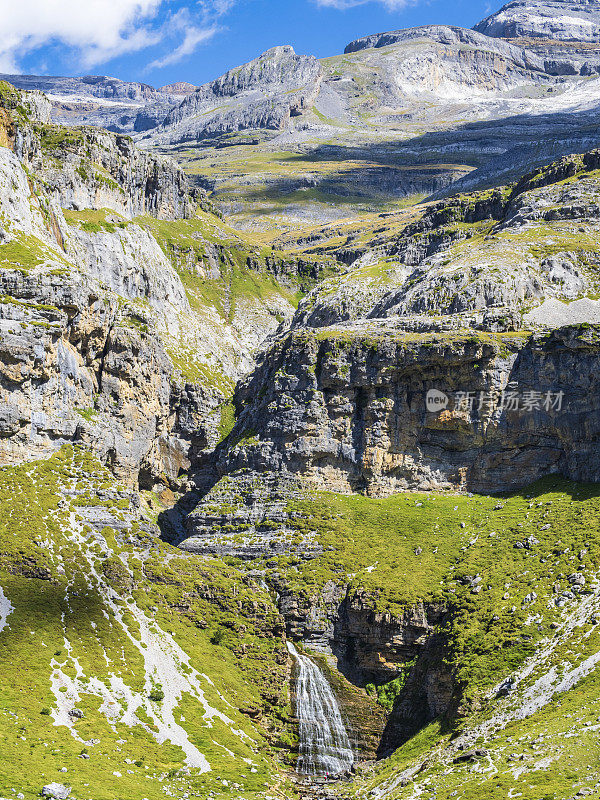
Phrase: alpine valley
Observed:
(300, 423)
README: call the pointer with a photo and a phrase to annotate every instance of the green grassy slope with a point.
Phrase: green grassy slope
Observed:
(158, 650)
(504, 567)
(105, 618)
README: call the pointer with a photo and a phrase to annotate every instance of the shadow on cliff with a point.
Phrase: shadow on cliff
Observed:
(430, 693)
(204, 474)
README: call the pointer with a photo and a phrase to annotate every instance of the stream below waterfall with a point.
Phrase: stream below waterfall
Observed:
(324, 747)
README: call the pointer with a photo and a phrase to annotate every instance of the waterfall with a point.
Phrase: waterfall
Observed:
(325, 747)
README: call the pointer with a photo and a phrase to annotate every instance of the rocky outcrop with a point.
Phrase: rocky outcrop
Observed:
(347, 411)
(431, 692)
(559, 19)
(265, 93)
(565, 34)
(244, 516)
(75, 367)
(369, 646)
(89, 168)
(100, 86)
(179, 88)
(97, 329)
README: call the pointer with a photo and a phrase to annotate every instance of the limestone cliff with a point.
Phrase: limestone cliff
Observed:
(346, 410)
(265, 93)
(104, 341)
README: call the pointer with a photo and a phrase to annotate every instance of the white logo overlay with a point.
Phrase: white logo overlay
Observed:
(510, 399)
(436, 400)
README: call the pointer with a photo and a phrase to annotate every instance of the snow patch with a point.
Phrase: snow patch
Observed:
(165, 663)
(6, 608)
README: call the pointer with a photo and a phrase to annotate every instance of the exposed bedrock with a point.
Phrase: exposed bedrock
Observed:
(374, 647)
(264, 93)
(345, 410)
(74, 368)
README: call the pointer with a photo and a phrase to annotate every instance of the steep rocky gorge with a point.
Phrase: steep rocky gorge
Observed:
(370, 647)
(346, 412)
(95, 289)
(339, 404)
(399, 475)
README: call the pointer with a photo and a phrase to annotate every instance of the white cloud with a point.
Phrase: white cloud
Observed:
(99, 30)
(192, 37)
(195, 27)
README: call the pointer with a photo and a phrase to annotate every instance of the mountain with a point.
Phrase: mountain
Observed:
(565, 34)
(560, 21)
(289, 139)
(265, 93)
(299, 430)
(413, 113)
(122, 106)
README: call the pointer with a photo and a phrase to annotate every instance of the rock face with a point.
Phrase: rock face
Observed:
(100, 86)
(179, 88)
(265, 93)
(75, 369)
(348, 412)
(453, 37)
(74, 365)
(98, 170)
(430, 692)
(369, 646)
(565, 34)
(93, 310)
(562, 19)
(120, 106)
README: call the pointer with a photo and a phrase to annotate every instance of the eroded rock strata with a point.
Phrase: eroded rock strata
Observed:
(267, 405)
(346, 410)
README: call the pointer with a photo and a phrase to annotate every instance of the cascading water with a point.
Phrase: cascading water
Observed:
(325, 747)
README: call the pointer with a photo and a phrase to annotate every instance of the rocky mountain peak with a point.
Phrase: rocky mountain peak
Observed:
(265, 94)
(452, 36)
(178, 88)
(564, 20)
(279, 66)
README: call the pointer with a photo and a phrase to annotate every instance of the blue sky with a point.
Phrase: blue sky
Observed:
(161, 41)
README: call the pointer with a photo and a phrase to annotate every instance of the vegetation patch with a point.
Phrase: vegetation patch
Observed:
(95, 221)
(80, 599)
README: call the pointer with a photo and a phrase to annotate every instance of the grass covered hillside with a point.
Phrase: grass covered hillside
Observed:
(131, 669)
(127, 668)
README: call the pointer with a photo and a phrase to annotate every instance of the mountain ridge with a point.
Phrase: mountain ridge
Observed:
(329, 376)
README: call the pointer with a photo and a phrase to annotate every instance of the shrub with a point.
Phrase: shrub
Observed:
(157, 694)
